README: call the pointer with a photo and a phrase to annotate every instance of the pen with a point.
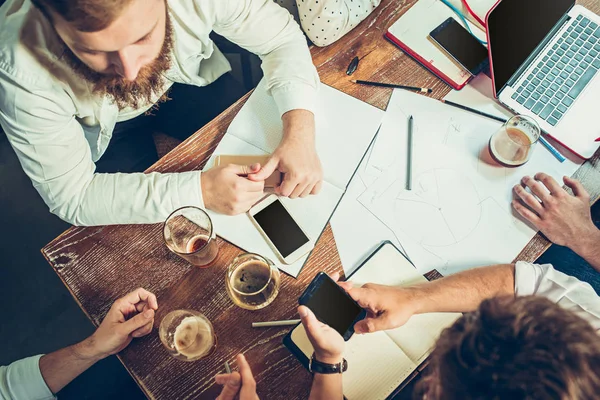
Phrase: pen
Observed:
(392, 85)
(410, 154)
(275, 323)
(227, 368)
(543, 141)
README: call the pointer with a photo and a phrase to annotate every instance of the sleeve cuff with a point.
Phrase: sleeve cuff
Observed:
(526, 278)
(294, 97)
(189, 190)
(24, 380)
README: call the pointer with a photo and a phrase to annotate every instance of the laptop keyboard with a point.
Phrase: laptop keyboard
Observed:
(560, 77)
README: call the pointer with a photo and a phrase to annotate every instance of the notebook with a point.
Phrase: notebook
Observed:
(411, 34)
(381, 363)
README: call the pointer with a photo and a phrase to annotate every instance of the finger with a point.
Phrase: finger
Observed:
(309, 320)
(144, 330)
(335, 276)
(548, 181)
(298, 190)
(526, 212)
(141, 294)
(372, 324)
(248, 382)
(138, 321)
(287, 186)
(317, 188)
(536, 188)
(222, 379)
(246, 185)
(346, 285)
(266, 171)
(307, 191)
(576, 187)
(528, 199)
(238, 169)
(231, 386)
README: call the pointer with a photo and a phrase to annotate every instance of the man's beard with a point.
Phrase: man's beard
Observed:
(148, 84)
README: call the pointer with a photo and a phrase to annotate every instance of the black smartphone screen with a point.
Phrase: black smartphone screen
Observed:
(333, 306)
(281, 228)
(457, 41)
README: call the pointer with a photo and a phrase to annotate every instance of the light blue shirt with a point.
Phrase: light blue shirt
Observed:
(23, 380)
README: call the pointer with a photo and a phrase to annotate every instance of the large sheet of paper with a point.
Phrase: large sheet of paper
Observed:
(342, 122)
(458, 214)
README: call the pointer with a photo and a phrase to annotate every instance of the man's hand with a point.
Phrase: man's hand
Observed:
(129, 317)
(387, 307)
(227, 191)
(564, 219)
(327, 342)
(242, 382)
(296, 157)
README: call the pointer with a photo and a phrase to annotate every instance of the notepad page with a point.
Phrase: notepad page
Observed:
(418, 336)
(376, 366)
(345, 127)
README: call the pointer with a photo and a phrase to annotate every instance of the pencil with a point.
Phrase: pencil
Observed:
(543, 141)
(410, 154)
(227, 368)
(391, 85)
(474, 111)
(275, 323)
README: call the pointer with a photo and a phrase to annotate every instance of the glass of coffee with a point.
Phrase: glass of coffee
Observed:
(188, 232)
(252, 281)
(188, 335)
(513, 144)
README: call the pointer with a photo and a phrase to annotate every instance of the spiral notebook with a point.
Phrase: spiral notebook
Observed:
(380, 364)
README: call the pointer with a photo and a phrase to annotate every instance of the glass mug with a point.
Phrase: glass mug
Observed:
(252, 281)
(188, 335)
(188, 232)
(513, 144)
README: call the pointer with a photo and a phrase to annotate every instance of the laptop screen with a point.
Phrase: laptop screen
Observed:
(515, 28)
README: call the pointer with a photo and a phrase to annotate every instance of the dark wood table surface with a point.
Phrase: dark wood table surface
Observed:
(100, 264)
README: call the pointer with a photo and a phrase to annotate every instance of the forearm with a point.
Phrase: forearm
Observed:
(464, 291)
(588, 247)
(61, 367)
(326, 387)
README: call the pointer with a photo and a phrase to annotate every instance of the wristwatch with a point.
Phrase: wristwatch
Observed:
(316, 366)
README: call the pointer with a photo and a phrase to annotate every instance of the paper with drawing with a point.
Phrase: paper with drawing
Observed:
(458, 214)
(345, 127)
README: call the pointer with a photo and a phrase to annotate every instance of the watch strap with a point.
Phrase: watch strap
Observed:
(318, 367)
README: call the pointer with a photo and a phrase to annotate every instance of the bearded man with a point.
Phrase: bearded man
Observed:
(84, 82)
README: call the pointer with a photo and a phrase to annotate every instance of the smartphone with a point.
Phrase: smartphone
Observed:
(332, 305)
(282, 232)
(271, 182)
(461, 46)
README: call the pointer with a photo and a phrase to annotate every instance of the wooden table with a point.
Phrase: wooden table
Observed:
(100, 264)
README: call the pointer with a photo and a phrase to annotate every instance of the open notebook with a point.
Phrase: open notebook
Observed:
(379, 363)
(345, 127)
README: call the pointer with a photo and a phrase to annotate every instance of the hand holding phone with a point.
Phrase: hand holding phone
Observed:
(326, 341)
(332, 305)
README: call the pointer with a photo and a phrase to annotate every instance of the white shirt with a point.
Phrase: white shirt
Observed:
(58, 129)
(568, 292)
(325, 21)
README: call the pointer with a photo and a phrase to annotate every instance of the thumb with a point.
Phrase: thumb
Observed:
(309, 320)
(371, 324)
(241, 169)
(138, 321)
(266, 171)
(231, 387)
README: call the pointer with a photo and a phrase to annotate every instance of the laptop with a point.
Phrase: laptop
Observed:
(544, 60)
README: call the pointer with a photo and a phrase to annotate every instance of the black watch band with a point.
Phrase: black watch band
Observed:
(317, 367)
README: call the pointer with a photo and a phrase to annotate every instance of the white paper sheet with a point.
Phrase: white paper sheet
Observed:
(458, 214)
(345, 127)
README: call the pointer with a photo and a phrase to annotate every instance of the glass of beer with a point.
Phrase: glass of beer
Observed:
(252, 281)
(188, 232)
(188, 335)
(513, 144)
